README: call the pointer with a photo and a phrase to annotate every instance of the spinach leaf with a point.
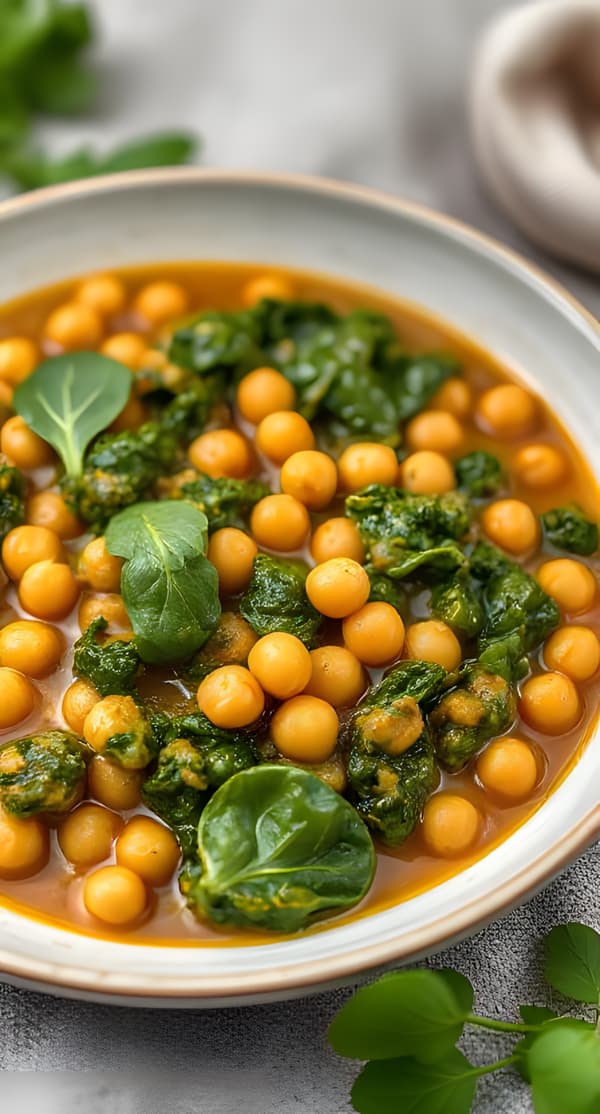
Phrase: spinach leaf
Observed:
(572, 961)
(479, 474)
(568, 528)
(457, 603)
(481, 706)
(12, 499)
(169, 587)
(111, 668)
(513, 601)
(405, 1084)
(225, 501)
(413, 380)
(564, 1067)
(44, 772)
(276, 600)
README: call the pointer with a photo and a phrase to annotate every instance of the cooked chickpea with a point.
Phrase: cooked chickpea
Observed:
(132, 416)
(18, 357)
(433, 641)
(74, 326)
(374, 633)
(574, 651)
(6, 400)
(367, 462)
(231, 697)
(160, 301)
(427, 473)
(126, 348)
(99, 568)
(508, 768)
(507, 411)
(267, 286)
(115, 895)
(311, 477)
(24, 846)
(86, 835)
(337, 537)
(113, 715)
(221, 452)
(149, 849)
(109, 605)
(338, 587)
(26, 545)
(264, 391)
(451, 824)
(17, 697)
(539, 465)
(30, 647)
(281, 664)
(305, 729)
(114, 786)
(571, 584)
(436, 430)
(23, 447)
(280, 522)
(232, 552)
(48, 591)
(79, 699)
(105, 294)
(455, 396)
(512, 525)
(283, 433)
(337, 676)
(48, 508)
(550, 703)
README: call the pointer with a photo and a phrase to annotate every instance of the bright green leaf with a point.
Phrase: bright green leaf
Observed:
(531, 1015)
(572, 961)
(168, 149)
(564, 1067)
(460, 987)
(405, 1086)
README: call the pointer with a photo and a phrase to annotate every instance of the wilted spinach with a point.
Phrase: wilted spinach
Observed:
(568, 528)
(479, 474)
(224, 501)
(276, 600)
(12, 499)
(111, 667)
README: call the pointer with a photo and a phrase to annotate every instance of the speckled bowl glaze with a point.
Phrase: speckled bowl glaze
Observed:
(491, 294)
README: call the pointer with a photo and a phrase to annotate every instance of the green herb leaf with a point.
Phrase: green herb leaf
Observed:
(572, 961)
(391, 1086)
(67, 400)
(564, 1067)
(164, 149)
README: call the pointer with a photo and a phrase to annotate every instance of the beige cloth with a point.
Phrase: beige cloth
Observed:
(535, 118)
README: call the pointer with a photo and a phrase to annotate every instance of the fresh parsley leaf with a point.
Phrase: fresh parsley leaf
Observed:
(572, 962)
(564, 1066)
(390, 1086)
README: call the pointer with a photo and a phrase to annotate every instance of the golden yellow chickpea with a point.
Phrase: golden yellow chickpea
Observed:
(264, 391)
(338, 587)
(267, 286)
(109, 605)
(112, 785)
(455, 396)
(232, 552)
(374, 633)
(26, 545)
(149, 849)
(280, 522)
(221, 452)
(113, 715)
(427, 473)
(574, 651)
(337, 537)
(160, 301)
(572, 585)
(508, 768)
(283, 433)
(126, 348)
(281, 664)
(550, 703)
(511, 524)
(48, 591)
(79, 699)
(231, 697)
(105, 294)
(74, 326)
(436, 430)
(450, 824)
(367, 462)
(31, 647)
(24, 846)
(434, 641)
(6, 400)
(18, 357)
(98, 567)
(507, 411)
(311, 477)
(539, 465)
(17, 697)
(115, 895)
(337, 676)
(48, 508)
(132, 416)
(86, 835)
(305, 729)
(23, 447)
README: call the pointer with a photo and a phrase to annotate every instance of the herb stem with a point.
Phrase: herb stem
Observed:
(500, 1026)
(486, 1069)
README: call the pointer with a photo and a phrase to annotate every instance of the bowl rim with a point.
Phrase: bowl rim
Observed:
(467, 919)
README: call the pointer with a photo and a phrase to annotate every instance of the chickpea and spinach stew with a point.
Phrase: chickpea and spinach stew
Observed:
(298, 604)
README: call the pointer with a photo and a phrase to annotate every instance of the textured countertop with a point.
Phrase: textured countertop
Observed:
(371, 91)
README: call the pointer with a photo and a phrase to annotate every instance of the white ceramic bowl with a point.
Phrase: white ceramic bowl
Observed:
(490, 293)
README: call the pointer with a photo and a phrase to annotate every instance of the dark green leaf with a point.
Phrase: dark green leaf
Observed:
(112, 668)
(572, 961)
(568, 528)
(479, 474)
(405, 1086)
(564, 1067)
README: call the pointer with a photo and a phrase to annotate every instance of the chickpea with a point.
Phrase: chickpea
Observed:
(455, 396)
(507, 411)
(436, 430)
(571, 584)
(574, 651)
(109, 605)
(86, 835)
(427, 473)
(31, 648)
(99, 568)
(149, 849)
(26, 545)
(48, 508)
(161, 301)
(539, 465)
(126, 348)
(367, 462)
(337, 537)
(17, 697)
(508, 768)
(132, 416)
(451, 824)
(338, 587)
(79, 699)
(311, 477)
(280, 522)
(114, 786)
(283, 433)
(113, 715)
(18, 357)
(264, 391)
(550, 703)
(48, 591)
(74, 326)
(374, 633)
(23, 447)
(281, 664)
(231, 697)
(6, 400)
(267, 286)
(512, 525)
(105, 294)
(115, 895)
(232, 552)
(24, 846)
(433, 641)
(337, 676)
(221, 452)
(305, 729)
